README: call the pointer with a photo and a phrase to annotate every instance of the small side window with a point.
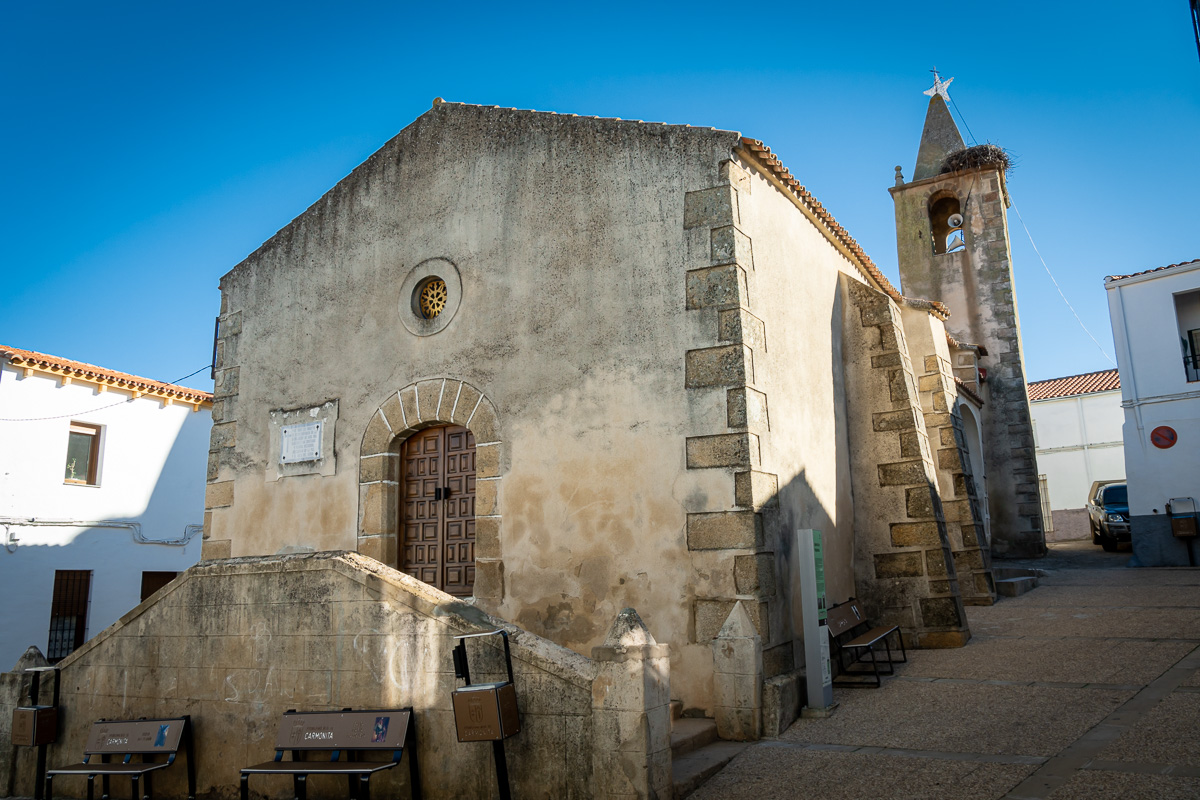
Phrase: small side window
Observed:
(83, 454)
(68, 612)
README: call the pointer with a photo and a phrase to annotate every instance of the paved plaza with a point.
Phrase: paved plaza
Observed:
(1087, 687)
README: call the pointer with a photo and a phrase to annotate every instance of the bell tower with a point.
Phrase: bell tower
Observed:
(952, 243)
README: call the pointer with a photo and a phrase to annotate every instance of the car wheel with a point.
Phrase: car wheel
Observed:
(1095, 533)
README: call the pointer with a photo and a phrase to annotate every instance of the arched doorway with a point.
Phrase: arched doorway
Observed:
(437, 508)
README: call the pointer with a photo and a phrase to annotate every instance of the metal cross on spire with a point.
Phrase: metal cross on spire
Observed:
(939, 86)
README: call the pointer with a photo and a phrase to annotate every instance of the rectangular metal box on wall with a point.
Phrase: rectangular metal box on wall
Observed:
(486, 712)
(34, 725)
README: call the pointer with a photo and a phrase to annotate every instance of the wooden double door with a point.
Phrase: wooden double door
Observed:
(437, 508)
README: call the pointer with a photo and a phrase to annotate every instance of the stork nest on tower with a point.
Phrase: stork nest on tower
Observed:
(981, 155)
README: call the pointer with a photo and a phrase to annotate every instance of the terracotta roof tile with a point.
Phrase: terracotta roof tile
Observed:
(101, 376)
(967, 390)
(763, 154)
(1148, 271)
(1088, 383)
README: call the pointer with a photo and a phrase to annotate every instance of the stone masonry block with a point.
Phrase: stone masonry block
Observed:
(487, 500)
(930, 383)
(902, 473)
(214, 466)
(487, 537)
(747, 408)
(755, 489)
(463, 405)
(931, 363)
(739, 325)
(218, 495)
(723, 450)
(940, 612)
(967, 560)
(728, 365)
(915, 534)
(733, 174)
(377, 436)
(899, 565)
(949, 459)
(377, 511)
(393, 413)
(489, 579)
(886, 360)
(712, 613)
(214, 549)
(910, 444)
(732, 691)
(935, 563)
(408, 399)
(755, 574)
(918, 503)
(731, 246)
(711, 207)
(902, 420)
(429, 396)
(483, 422)
(384, 467)
(724, 530)
(223, 435)
(717, 287)
(487, 461)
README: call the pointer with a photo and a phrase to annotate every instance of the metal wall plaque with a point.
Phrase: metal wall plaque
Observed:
(301, 442)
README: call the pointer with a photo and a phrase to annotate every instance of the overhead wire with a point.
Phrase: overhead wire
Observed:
(101, 408)
(1045, 266)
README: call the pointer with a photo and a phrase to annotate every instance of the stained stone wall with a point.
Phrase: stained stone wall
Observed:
(905, 571)
(238, 642)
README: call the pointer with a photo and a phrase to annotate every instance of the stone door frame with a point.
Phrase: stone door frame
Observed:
(420, 405)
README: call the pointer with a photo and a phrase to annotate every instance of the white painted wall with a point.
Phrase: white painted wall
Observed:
(1154, 386)
(1078, 441)
(151, 471)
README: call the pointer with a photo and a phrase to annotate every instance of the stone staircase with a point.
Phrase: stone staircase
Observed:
(696, 752)
(1015, 581)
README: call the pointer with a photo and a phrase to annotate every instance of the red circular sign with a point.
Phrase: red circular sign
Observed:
(1163, 437)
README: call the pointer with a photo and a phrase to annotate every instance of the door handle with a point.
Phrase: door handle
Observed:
(437, 493)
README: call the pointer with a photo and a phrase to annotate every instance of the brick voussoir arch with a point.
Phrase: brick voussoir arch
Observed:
(420, 405)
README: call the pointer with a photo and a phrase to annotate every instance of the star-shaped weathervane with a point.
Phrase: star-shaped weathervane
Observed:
(939, 86)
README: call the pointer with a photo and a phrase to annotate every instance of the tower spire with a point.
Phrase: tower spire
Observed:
(940, 137)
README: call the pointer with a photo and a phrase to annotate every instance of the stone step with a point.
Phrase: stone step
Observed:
(693, 769)
(691, 733)
(1012, 587)
(676, 711)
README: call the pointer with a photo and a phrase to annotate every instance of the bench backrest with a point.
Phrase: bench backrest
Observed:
(385, 729)
(143, 736)
(843, 618)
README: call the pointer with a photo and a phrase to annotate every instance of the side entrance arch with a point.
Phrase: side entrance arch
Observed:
(437, 508)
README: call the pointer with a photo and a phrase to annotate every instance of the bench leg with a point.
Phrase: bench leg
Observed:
(50, 786)
(903, 653)
(147, 790)
(364, 787)
(353, 785)
(301, 786)
(245, 786)
(135, 779)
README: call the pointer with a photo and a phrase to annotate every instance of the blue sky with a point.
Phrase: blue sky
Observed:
(149, 147)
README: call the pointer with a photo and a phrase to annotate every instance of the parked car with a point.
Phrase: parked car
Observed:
(1108, 514)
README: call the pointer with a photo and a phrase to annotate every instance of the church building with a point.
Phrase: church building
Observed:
(535, 370)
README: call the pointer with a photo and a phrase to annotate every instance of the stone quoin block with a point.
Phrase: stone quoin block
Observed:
(755, 489)
(383, 467)
(712, 613)
(487, 461)
(746, 408)
(731, 246)
(487, 500)
(739, 325)
(914, 534)
(724, 530)
(940, 612)
(218, 495)
(899, 565)
(717, 287)
(214, 549)
(722, 450)
(729, 365)
(902, 473)
(935, 563)
(711, 207)
(487, 537)
(755, 574)
(735, 175)
(901, 420)
(377, 437)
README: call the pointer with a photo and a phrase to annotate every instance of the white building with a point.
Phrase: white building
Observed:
(1077, 430)
(101, 496)
(1156, 326)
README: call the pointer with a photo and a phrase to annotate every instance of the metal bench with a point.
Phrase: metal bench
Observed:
(338, 732)
(845, 622)
(145, 738)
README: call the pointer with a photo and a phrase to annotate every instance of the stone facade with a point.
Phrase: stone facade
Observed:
(975, 282)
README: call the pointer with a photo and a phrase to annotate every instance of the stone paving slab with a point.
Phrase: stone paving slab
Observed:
(1091, 622)
(1104, 785)
(785, 773)
(961, 717)
(1110, 661)
(1168, 734)
(1137, 596)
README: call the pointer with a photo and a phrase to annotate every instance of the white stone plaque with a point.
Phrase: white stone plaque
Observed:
(300, 442)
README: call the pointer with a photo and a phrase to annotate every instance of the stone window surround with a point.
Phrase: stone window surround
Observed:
(420, 405)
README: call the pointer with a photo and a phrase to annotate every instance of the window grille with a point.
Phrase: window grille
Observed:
(68, 612)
